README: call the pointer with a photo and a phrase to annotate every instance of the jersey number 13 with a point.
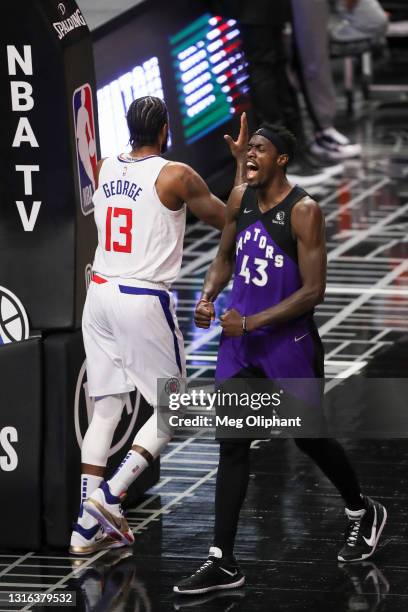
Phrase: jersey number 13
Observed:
(125, 229)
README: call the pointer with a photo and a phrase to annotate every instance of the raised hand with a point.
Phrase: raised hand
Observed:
(239, 146)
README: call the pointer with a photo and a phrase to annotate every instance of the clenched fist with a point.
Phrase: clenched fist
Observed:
(204, 313)
(231, 323)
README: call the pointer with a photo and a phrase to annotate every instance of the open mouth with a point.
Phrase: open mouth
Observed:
(251, 169)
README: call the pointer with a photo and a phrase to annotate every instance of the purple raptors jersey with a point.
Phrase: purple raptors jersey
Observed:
(267, 272)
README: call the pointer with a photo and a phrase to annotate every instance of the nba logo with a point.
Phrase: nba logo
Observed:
(85, 145)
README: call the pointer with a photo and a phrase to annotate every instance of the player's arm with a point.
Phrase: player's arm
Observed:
(200, 201)
(221, 269)
(98, 169)
(178, 183)
(239, 148)
(309, 229)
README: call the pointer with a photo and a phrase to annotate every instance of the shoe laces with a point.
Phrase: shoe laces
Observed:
(352, 532)
(205, 565)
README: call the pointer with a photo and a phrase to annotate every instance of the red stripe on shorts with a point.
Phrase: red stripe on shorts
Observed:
(98, 279)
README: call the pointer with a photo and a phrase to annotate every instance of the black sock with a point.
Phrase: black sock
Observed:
(331, 458)
(232, 483)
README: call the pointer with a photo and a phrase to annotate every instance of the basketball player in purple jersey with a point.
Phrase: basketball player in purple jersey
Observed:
(274, 242)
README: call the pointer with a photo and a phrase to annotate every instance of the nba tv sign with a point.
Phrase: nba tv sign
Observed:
(20, 66)
(85, 145)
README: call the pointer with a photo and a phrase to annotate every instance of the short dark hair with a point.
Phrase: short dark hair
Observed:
(145, 118)
(285, 135)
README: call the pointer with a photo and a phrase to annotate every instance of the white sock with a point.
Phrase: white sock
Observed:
(89, 483)
(215, 552)
(355, 515)
(130, 468)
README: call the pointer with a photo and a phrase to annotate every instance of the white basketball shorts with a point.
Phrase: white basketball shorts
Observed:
(131, 337)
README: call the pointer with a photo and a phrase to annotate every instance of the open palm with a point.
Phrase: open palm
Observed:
(239, 146)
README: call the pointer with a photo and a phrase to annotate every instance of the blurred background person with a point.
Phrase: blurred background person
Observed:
(310, 19)
(274, 99)
(359, 19)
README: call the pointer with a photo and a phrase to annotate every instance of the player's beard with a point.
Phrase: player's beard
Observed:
(260, 184)
(263, 181)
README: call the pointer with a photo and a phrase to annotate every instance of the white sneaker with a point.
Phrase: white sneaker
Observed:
(106, 508)
(89, 541)
(331, 144)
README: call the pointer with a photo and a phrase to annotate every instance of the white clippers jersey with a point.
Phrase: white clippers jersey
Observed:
(138, 237)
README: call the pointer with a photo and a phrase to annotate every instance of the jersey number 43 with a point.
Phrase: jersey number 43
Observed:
(125, 216)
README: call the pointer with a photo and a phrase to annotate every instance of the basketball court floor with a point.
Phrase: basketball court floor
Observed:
(292, 523)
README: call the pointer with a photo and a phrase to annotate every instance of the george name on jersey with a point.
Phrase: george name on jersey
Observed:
(124, 188)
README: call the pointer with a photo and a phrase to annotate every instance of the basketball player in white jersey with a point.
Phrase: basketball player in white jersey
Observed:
(130, 329)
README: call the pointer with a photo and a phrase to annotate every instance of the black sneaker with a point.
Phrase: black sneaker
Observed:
(363, 531)
(215, 574)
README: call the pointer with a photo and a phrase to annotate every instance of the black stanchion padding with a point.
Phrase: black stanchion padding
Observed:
(20, 445)
(49, 148)
(68, 410)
